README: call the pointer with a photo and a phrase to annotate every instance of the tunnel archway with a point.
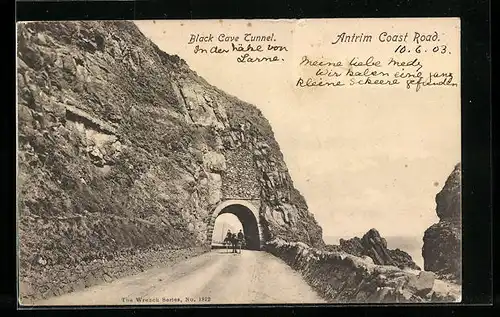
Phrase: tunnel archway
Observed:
(247, 214)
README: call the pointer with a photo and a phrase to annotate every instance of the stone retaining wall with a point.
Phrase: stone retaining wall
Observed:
(61, 279)
(343, 278)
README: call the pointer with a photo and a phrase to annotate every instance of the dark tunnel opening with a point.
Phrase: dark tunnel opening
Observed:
(248, 222)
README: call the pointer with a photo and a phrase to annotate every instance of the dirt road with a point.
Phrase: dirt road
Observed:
(216, 277)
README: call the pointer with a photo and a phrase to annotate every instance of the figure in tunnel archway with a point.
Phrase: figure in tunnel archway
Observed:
(240, 240)
(228, 240)
(243, 215)
(234, 242)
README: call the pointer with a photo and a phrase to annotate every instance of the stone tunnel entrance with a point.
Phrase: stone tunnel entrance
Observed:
(247, 214)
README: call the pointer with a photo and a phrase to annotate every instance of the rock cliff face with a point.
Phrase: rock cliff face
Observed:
(375, 247)
(123, 147)
(344, 278)
(443, 241)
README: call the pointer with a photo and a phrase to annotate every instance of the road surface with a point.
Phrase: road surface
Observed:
(216, 277)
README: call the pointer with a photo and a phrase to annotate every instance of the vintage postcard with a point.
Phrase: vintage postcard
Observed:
(202, 162)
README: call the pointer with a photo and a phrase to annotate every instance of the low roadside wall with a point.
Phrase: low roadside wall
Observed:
(343, 278)
(60, 279)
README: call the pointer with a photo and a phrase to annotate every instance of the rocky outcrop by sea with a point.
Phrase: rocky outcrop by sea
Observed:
(374, 246)
(443, 240)
(341, 277)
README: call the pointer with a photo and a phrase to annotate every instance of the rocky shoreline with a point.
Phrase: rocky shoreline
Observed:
(340, 277)
(374, 246)
(365, 270)
(442, 250)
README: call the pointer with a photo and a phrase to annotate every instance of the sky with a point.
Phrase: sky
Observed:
(367, 157)
(223, 223)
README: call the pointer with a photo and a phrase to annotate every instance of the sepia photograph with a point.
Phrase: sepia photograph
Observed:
(209, 162)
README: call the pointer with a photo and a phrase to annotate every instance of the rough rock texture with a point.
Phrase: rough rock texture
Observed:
(375, 247)
(343, 278)
(443, 241)
(63, 278)
(122, 146)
